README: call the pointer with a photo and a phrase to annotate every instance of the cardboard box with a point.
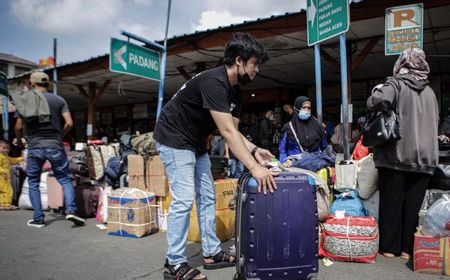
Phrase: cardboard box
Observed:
(225, 195)
(156, 179)
(225, 216)
(132, 213)
(225, 220)
(431, 254)
(136, 172)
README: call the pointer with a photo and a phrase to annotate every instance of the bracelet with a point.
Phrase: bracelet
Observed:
(254, 150)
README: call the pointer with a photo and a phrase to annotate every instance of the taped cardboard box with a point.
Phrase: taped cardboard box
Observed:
(132, 213)
(225, 195)
(225, 216)
(225, 220)
(156, 178)
(136, 172)
(431, 254)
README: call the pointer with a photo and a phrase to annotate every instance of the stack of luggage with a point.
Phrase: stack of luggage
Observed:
(432, 241)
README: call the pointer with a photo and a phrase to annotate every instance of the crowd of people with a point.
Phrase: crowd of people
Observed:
(210, 104)
(300, 132)
(405, 166)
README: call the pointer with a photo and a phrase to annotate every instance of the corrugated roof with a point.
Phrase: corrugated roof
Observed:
(50, 68)
(178, 37)
(245, 22)
(15, 59)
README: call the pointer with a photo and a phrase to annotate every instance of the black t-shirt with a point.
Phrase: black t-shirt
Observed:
(186, 121)
(49, 134)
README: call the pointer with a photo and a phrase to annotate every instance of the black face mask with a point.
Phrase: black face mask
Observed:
(244, 79)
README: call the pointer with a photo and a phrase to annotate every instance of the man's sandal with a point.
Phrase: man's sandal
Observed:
(182, 271)
(221, 260)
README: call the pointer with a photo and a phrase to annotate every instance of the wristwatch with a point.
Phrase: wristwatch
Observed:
(254, 150)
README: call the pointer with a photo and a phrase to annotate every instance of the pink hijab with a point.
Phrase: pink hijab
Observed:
(412, 61)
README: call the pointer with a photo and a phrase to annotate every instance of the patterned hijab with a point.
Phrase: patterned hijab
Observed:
(412, 61)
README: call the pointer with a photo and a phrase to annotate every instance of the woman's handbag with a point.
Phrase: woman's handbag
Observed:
(381, 128)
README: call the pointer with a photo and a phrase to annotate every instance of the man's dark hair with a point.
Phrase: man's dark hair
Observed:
(245, 46)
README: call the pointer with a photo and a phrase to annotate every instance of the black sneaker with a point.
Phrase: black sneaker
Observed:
(75, 219)
(36, 223)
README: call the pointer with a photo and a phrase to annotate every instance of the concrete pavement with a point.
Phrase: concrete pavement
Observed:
(62, 251)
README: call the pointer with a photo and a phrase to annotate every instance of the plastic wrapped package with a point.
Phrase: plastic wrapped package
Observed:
(437, 220)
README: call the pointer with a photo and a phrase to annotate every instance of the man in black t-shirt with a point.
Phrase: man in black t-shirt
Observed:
(209, 100)
(45, 143)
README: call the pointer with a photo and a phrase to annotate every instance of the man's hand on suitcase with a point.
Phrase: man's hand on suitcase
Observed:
(264, 178)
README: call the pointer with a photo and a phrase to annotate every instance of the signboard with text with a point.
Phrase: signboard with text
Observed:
(404, 28)
(326, 19)
(133, 60)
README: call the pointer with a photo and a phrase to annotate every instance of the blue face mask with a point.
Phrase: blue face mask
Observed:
(304, 115)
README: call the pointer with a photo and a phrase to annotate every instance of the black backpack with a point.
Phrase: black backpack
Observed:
(115, 168)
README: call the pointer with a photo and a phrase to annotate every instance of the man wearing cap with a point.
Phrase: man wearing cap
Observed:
(45, 131)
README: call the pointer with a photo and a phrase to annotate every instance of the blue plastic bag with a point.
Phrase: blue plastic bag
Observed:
(350, 202)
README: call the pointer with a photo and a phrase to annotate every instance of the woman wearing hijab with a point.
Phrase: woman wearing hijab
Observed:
(304, 128)
(405, 166)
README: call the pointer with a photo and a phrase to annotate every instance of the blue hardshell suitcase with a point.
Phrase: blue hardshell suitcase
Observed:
(277, 233)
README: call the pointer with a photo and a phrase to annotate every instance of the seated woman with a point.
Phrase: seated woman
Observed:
(303, 133)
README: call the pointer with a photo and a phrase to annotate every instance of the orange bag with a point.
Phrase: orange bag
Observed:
(360, 150)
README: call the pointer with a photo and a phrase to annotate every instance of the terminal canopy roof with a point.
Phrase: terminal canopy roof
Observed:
(292, 61)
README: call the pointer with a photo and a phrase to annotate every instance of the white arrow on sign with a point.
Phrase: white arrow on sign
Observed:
(118, 56)
(312, 13)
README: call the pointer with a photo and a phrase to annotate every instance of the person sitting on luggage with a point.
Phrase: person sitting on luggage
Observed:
(6, 190)
(44, 137)
(210, 100)
(303, 132)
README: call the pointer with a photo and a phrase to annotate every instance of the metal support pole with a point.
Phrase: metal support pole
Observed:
(55, 72)
(318, 82)
(163, 48)
(163, 67)
(344, 87)
(142, 40)
(161, 85)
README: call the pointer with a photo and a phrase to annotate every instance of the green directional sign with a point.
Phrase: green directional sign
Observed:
(133, 60)
(326, 19)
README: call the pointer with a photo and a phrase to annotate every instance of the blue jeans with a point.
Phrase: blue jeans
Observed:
(60, 166)
(189, 175)
(236, 168)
